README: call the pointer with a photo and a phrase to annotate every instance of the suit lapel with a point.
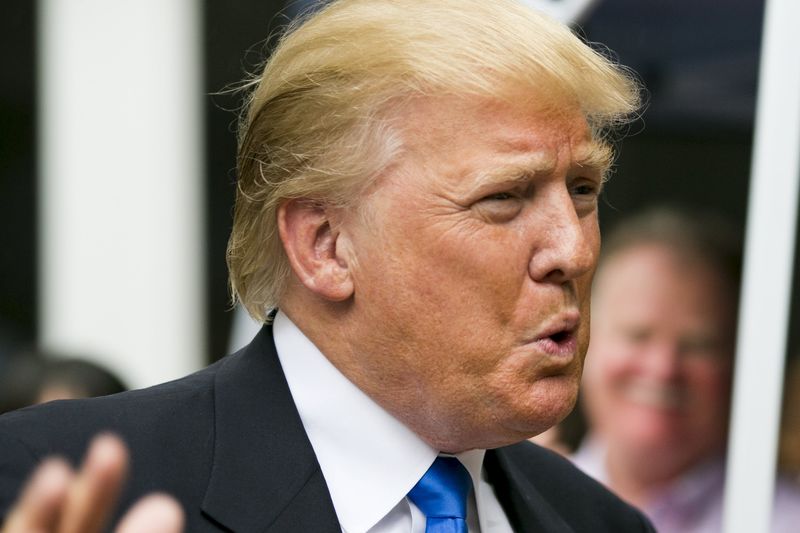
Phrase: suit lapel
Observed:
(265, 476)
(526, 508)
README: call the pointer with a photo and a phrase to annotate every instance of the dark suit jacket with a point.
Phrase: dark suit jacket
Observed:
(229, 444)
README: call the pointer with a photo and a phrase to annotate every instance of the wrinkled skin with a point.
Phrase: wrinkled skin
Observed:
(471, 267)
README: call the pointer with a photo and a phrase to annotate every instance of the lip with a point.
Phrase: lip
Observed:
(559, 337)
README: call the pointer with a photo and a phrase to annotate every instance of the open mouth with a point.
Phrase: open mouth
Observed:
(561, 336)
(560, 343)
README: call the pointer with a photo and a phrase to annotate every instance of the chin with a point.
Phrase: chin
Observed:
(505, 438)
(492, 434)
(554, 398)
(529, 424)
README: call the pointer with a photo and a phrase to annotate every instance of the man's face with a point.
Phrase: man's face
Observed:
(474, 269)
(658, 371)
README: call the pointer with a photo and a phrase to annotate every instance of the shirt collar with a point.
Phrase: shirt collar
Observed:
(369, 459)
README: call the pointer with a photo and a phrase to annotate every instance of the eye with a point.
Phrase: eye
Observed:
(585, 192)
(584, 187)
(699, 346)
(499, 197)
(500, 206)
(636, 335)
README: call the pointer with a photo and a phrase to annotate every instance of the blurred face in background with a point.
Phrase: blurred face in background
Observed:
(56, 391)
(657, 377)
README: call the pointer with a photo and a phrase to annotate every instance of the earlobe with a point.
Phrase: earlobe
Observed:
(314, 247)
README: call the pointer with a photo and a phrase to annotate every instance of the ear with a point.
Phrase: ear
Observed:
(315, 249)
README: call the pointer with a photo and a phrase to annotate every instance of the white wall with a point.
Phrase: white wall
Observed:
(121, 184)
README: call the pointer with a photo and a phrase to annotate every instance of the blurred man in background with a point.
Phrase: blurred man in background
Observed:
(657, 380)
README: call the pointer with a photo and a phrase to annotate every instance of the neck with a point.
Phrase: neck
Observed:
(382, 367)
(334, 330)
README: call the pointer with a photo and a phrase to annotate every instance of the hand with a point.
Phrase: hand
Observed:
(59, 500)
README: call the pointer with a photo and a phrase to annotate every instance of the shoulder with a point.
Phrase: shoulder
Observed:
(547, 466)
(65, 425)
(154, 422)
(580, 501)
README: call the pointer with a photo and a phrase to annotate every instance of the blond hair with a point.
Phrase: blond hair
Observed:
(317, 123)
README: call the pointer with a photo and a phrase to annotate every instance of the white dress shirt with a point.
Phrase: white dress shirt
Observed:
(369, 459)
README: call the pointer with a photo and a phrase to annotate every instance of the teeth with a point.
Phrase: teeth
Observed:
(658, 396)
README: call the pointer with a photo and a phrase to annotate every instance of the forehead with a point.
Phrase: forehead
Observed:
(522, 131)
(441, 116)
(650, 280)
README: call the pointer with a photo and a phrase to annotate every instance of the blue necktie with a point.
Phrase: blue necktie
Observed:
(441, 495)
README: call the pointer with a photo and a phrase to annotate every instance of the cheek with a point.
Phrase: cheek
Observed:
(471, 276)
(605, 374)
(710, 385)
(610, 363)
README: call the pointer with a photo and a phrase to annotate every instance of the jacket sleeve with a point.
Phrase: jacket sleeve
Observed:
(17, 462)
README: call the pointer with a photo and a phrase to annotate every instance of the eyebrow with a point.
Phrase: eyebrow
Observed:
(594, 156)
(597, 156)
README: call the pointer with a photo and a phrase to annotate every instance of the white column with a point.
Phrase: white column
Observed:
(566, 11)
(767, 283)
(121, 184)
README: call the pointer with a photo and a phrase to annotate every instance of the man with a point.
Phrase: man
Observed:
(417, 226)
(658, 375)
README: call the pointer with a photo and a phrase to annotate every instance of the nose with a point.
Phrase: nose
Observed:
(663, 360)
(567, 244)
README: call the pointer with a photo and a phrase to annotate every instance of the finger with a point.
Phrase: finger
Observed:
(93, 494)
(39, 506)
(156, 513)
